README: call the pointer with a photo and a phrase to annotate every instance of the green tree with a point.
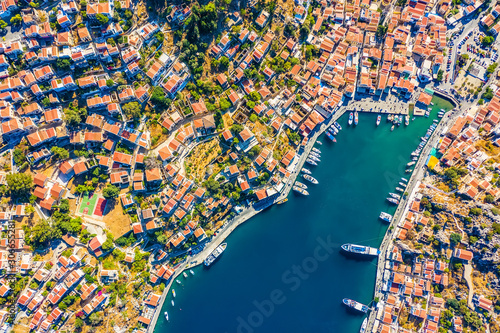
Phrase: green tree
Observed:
(440, 75)
(74, 116)
(109, 83)
(16, 19)
(110, 192)
(476, 211)
(3, 24)
(236, 128)
(132, 110)
(158, 98)
(489, 198)
(41, 234)
(102, 19)
(19, 156)
(224, 104)
(60, 153)
(108, 244)
(487, 41)
(381, 30)
(63, 64)
(455, 239)
(19, 184)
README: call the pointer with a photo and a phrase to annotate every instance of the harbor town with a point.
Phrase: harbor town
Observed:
(136, 136)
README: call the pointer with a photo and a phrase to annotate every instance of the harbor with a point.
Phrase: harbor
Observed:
(249, 270)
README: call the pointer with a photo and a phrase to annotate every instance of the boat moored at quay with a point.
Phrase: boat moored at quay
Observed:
(355, 305)
(360, 249)
(385, 217)
(215, 254)
(310, 178)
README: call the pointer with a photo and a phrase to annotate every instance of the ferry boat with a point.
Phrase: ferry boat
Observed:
(399, 189)
(350, 118)
(311, 162)
(316, 150)
(301, 185)
(173, 292)
(363, 326)
(215, 254)
(310, 178)
(306, 171)
(410, 163)
(360, 249)
(185, 275)
(338, 126)
(385, 217)
(395, 196)
(334, 130)
(378, 120)
(166, 315)
(356, 118)
(330, 136)
(404, 179)
(407, 120)
(392, 128)
(300, 190)
(173, 304)
(282, 201)
(355, 305)
(393, 201)
(192, 272)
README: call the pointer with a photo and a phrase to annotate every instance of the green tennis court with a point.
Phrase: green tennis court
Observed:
(88, 204)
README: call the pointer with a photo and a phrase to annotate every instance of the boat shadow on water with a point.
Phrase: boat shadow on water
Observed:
(353, 312)
(356, 256)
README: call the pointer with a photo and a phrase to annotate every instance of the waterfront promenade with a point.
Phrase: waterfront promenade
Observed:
(417, 175)
(244, 216)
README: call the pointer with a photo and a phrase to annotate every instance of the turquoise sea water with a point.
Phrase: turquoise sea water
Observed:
(282, 270)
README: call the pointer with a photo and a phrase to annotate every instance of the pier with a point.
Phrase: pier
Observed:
(391, 105)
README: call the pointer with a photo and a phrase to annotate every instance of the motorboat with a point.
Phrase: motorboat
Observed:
(310, 161)
(301, 185)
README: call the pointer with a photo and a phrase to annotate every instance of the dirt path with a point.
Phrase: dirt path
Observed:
(468, 279)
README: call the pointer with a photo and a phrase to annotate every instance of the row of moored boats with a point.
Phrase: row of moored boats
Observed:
(313, 158)
(173, 290)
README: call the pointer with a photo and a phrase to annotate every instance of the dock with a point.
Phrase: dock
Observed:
(414, 181)
(380, 107)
